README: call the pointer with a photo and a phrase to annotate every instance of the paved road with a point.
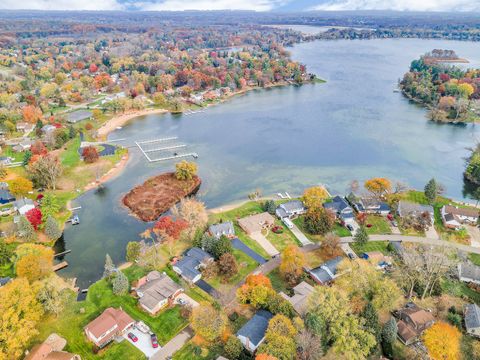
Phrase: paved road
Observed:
(240, 245)
(173, 345)
(300, 236)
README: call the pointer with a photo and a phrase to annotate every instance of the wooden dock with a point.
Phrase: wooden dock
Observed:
(60, 266)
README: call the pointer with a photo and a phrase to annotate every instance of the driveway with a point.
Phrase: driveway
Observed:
(143, 344)
(209, 289)
(239, 245)
(300, 236)
(264, 243)
(187, 299)
(474, 233)
(431, 233)
(348, 250)
(173, 345)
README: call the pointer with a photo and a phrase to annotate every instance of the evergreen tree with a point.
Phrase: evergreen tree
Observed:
(120, 284)
(371, 320)
(52, 230)
(221, 246)
(133, 251)
(361, 236)
(71, 132)
(26, 157)
(270, 207)
(26, 230)
(233, 348)
(5, 253)
(109, 267)
(431, 191)
(389, 335)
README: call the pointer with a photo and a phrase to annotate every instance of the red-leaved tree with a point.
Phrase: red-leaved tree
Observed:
(90, 154)
(38, 148)
(171, 227)
(34, 216)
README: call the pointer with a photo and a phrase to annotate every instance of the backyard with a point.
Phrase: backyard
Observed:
(381, 246)
(379, 225)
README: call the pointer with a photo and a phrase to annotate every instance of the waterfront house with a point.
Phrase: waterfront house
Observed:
(301, 292)
(51, 349)
(23, 205)
(290, 209)
(339, 206)
(370, 206)
(252, 334)
(256, 223)
(225, 228)
(188, 267)
(6, 196)
(412, 322)
(327, 272)
(454, 217)
(471, 314)
(156, 290)
(468, 272)
(110, 324)
(407, 208)
(79, 115)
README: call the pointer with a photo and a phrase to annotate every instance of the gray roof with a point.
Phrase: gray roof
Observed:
(472, 316)
(189, 264)
(281, 213)
(294, 205)
(469, 271)
(6, 195)
(338, 204)
(256, 327)
(22, 202)
(4, 280)
(198, 254)
(222, 229)
(79, 115)
(408, 208)
(327, 271)
(157, 288)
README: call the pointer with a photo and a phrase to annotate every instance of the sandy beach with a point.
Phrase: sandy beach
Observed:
(110, 174)
(122, 119)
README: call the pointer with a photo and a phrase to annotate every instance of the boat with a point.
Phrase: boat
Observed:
(75, 220)
(119, 128)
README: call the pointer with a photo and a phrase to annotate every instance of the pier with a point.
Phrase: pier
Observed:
(164, 149)
(60, 266)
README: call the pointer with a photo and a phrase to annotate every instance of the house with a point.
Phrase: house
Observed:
(224, 228)
(24, 205)
(79, 115)
(301, 292)
(6, 196)
(326, 272)
(156, 291)
(51, 349)
(371, 206)
(256, 223)
(290, 209)
(412, 322)
(339, 206)
(25, 127)
(252, 334)
(188, 267)
(110, 324)
(5, 160)
(454, 217)
(468, 272)
(48, 129)
(23, 145)
(471, 313)
(407, 208)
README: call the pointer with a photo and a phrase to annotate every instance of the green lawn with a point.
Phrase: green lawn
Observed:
(245, 266)
(474, 258)
(187, 352)
(16, 156)
(379, 224)
(277, 281)
(281, 241)
(70, 157)
(341, 231)
(460, 289)
(370, 246)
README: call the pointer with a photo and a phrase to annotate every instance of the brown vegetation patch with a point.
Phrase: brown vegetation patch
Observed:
(158, 194)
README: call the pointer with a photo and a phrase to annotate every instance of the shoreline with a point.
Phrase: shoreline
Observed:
(109, 175)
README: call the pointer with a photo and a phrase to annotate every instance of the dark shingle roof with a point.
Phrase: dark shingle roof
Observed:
(294, 205)
(255, 328)
(222, 228)
(337, 204)
(327, 271)
(472, 316)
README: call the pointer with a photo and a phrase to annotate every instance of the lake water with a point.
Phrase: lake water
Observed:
(284, 139)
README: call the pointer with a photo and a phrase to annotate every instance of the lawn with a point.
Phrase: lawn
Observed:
(281, 241)
(379, 224)
(16, 156)
(277, 281)
(188, 352)
(70, 157)
(341, 230)
(245, 266)
(381, 246)
(460, 289)
(474, 258)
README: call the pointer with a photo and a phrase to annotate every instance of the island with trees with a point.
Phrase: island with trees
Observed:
(449, 92)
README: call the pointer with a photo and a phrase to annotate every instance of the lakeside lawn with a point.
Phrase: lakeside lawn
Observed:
(281, 241)
(381, 246)
(338, 229)
(379, 224)
(100, 296)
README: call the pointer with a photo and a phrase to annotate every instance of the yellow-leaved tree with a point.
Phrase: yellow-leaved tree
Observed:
(442, 341)
(314, 196)
(378, 186)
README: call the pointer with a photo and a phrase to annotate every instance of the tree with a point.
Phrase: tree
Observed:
(54, 294)
(255, 291)
(331, 243)
(314, 197)
(90, 154)
(35, 263)
(185, 170)
(378, 186)
(193, 212)
(319, 220)
(372, 324)
(109, 268)
(6, 253)
(389, 335)
(120, 284)
(3, 171)
(21, 312)
(20, 186)
(133, 251)
(52, 230)
(442, 341)
(227, 265)
(171, 227)
(233, 348)
(31, 114)
(34, 216)
(270, 207)
(221, 246)
(293, 261)
(265, 357)
(431, 191)
(26, 230)
(45, 171)
(279, 338)
(309, 346)
(208, 322)
(38, 148)
(26, 157)
(50, 205)
(361, 235)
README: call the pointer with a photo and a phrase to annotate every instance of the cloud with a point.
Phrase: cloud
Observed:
(179, 5)
(61, 5)
(401, 5)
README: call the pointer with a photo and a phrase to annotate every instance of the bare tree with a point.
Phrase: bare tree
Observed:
(331, 243)
(309, 346)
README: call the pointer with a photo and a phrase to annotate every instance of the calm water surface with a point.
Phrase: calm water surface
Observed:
(352, 127)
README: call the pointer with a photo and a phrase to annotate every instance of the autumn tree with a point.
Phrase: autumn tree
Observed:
(20, 186)
(52, 230)
(31, 114)
(279, 338)
(21, 312)
(90, 154)
(25, 230)
(293, 261)
(45, 172)
(227, 265)
(314, 197)
(233, 348)
(319, 220)
(255, 291)
(442, 341)
(34, 262)
(34, 216)
(208, 322)
(378, 186)
(194, 213)
(133, 251)
(54, 294)
(185, 170)
(38, 148)
(331, 244)
(6, 253)
(168, 231)
(265, 357)
(309, 346)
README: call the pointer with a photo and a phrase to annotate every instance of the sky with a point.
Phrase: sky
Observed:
(256, 5)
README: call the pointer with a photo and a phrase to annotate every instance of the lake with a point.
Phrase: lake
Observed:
(354, 126)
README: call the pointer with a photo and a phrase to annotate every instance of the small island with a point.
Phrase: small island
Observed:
(159, 193)
(450, 92)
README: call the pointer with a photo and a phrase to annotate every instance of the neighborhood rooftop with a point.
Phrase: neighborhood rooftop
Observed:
(255, 328)
(78, 115)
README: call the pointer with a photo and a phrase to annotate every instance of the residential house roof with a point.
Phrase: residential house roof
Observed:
(157, 288)
(469, 271)
(419, 321)
(23, 202)
(371, 204)
(466, 212)
(256, 327)
(408, 208)
(300, 297)
(292, 206)
(472, 316)
(51, 349)
(5, 280)
(6, 195)
(255, 223)
(110, 318)
(327, 271)
(338, 205)
(79, 115)
(224, 228)
(190, 262)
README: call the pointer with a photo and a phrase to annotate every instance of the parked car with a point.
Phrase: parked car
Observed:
(288, 222)
(351, 256)
(132, 337)
(154, 340)
(349, 227)
(142, 327)
(181, 301)
(394, 223)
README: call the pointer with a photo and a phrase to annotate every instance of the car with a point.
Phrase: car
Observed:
(181, 301)
(394, 223)
(350, 227)
(132, 337)
(351, 256)
(154, 340)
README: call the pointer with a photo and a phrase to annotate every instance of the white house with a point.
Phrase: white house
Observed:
(23, 205)
(454, 217)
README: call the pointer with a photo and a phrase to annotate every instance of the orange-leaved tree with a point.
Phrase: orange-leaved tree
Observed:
(378, 186)
(442, 341)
